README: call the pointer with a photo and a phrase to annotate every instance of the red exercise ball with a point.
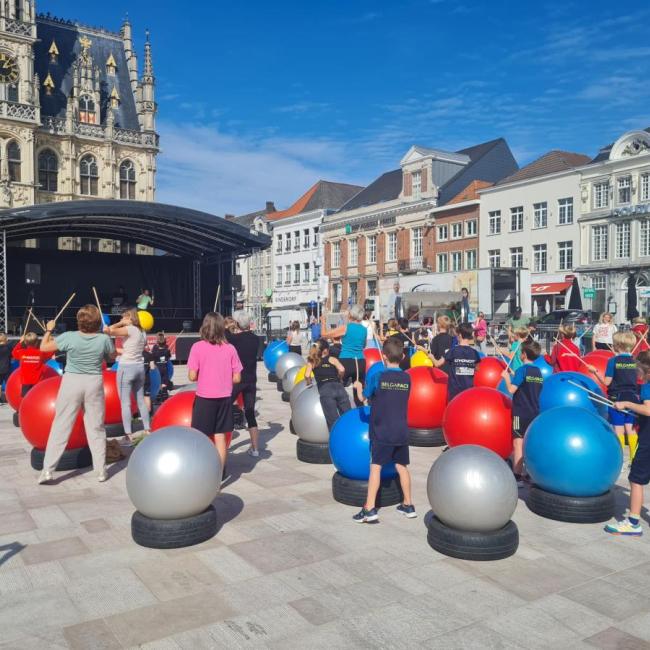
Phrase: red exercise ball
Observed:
(599, 361)
(480, 416)
(428, 397)
(15, 385)
(608, 354)
(489, 372)
(177, 411)
(36, 416)
(372, 356)
(113, 414)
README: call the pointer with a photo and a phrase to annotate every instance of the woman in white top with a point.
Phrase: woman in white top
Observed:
(603, 333)
(295, 338)
(369, 324)
(130, 371)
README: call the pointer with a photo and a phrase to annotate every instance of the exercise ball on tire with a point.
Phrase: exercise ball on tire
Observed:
(287, 361)
(308, 418)
(173, 474)
(471, 488)
(274, 350)
(573, 452)
(480, 416)
(300, 375)
(297, 390)
(427, 398)
(36, 416)
(289, 379)
(560, 390)
(14, 385)
(488, 373)
(350, 446)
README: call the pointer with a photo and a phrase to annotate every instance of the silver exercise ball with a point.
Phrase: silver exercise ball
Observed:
(186, 387)
(308, 418)
(471, 488)
(286, 361)
(298, 390)
(173, 473)
(289, 378)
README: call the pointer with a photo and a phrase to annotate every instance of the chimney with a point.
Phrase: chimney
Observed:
(270, 206)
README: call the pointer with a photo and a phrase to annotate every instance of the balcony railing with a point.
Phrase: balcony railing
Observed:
(58, 125)
(413, 265)
(16, 111)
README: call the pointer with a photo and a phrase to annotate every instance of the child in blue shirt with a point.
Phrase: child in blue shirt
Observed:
(388, 392)
(639, 475)
(621, 381)
(525, 387)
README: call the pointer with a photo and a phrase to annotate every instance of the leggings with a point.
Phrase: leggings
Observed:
(248, 391)
(352, 366)
(130, 379)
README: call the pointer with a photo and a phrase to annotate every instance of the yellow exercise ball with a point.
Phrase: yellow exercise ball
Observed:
(300, 375)
(146, 320)
(420, 358)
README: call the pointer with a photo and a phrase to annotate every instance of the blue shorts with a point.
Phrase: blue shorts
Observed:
(619, 418)
(640, 469)
(383, 454)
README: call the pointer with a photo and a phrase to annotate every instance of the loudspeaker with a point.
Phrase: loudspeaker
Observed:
(236, 282)
(32, 273)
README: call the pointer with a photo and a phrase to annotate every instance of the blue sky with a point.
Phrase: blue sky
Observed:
(258, 100)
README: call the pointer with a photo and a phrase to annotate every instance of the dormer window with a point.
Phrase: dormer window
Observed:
(87, 109)
(416, 184)
(111, 66)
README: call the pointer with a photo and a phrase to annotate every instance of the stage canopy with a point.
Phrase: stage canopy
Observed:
(203, 238)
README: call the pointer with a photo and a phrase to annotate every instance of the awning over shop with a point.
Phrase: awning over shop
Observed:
(550, 288)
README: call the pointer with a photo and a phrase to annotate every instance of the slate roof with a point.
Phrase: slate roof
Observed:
(322, 195)
(553, 161)
(489, 162)
(103, 43)
(247, 220)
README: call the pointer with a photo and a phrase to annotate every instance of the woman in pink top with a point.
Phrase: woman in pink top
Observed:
(215, 366)
(480, 332)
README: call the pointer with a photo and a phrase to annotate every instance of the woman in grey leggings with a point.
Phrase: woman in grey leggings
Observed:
(130, 371)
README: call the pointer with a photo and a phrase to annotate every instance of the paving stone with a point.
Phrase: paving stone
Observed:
(608, 599)
(313, 611)
(49, 516)
(227, 565)
(56, 550)
(92, 634)
(471, 637)
(95, 525)
(615, 639)
(16, 522)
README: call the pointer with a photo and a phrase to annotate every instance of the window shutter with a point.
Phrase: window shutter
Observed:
(408, 187)
(425, 179)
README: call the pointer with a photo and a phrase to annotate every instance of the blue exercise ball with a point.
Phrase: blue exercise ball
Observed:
(274, 350)
(55, 365)
(106, 319)
(560, 390)
(374, 369)
(572, 451)
(350, 446)
(544, 367)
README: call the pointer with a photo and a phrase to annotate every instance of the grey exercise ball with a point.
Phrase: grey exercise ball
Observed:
(286, 361)
(308, 417)
(472, 488)
(297, 390)
(173, 473)
(289, 378)
(186, 387)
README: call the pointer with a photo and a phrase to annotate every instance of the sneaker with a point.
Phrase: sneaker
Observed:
(45, 477)
(102, 475)
(366, 516)
(624, 527)
(253, 452)
(407, 511)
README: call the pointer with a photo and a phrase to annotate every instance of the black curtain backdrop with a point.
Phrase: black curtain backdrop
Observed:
(632, 311)
(575, 299)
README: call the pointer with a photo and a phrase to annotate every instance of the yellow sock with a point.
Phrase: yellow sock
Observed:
(621, 439)
(633, 442)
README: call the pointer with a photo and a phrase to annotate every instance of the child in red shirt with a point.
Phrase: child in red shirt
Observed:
(31, 360)
(566, 354)
(640, 329)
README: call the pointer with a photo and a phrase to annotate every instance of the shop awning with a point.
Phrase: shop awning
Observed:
(550, 288)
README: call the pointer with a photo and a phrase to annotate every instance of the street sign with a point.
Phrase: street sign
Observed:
(312, 304)
(348, 229)
(588, 292)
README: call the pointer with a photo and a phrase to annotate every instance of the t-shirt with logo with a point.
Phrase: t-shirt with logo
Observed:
(440, 345)
(388, 392)
(623, 371)
(325, 372)
(461, 362)
(31, 363)
(529, 381)
(644, 420)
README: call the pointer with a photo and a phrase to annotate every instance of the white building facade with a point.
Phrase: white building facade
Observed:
(531, 222)
(615, 224)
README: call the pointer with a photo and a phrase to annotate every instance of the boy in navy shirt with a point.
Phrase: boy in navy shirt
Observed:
(388, 392)
(461, 361)
(621, 381)
(525, 387)
(639, 475)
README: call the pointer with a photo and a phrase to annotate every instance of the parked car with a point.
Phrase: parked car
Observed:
(568, 317)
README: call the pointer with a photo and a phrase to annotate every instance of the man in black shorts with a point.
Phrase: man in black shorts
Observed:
(246, 343)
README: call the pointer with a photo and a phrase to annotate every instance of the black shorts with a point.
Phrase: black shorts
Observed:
(640, 469)
(212, 415)
(297, 349)
(248, 392)
(382, 453)
(519, 426)
(603, 346)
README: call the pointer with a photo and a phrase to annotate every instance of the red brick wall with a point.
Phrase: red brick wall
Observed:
(434, 247)
(403, 245)
(328, 258)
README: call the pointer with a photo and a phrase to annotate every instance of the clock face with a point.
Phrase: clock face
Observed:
(8, 69)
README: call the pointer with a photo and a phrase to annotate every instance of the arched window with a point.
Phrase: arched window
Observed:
(48, 170)
(127, 180)
(12, 92)
(86, 109)
(89, 175)
(13, 158)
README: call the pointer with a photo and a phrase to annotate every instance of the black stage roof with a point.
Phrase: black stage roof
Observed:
(175, 230)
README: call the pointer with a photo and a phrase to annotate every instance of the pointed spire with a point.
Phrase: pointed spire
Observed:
(110, 64)
(48, 84)
(148, 64)
(114, 98)
(53, 52)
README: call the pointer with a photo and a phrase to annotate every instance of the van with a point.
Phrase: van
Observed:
(278, 320)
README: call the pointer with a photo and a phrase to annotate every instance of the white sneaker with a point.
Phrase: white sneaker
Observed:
(45, 477)
(102, 475)
(253, 452)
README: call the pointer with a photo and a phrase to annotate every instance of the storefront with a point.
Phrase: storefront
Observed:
(549, 296)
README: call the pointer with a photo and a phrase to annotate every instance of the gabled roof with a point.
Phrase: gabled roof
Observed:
(549, 163)
(385, 188)
(323, 195)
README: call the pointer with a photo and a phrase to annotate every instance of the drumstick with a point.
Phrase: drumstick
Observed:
(38, 322)
(216, 300)
(70, 299)
(29, 316)
(596, 397)
(99, 306)
(356, 365)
